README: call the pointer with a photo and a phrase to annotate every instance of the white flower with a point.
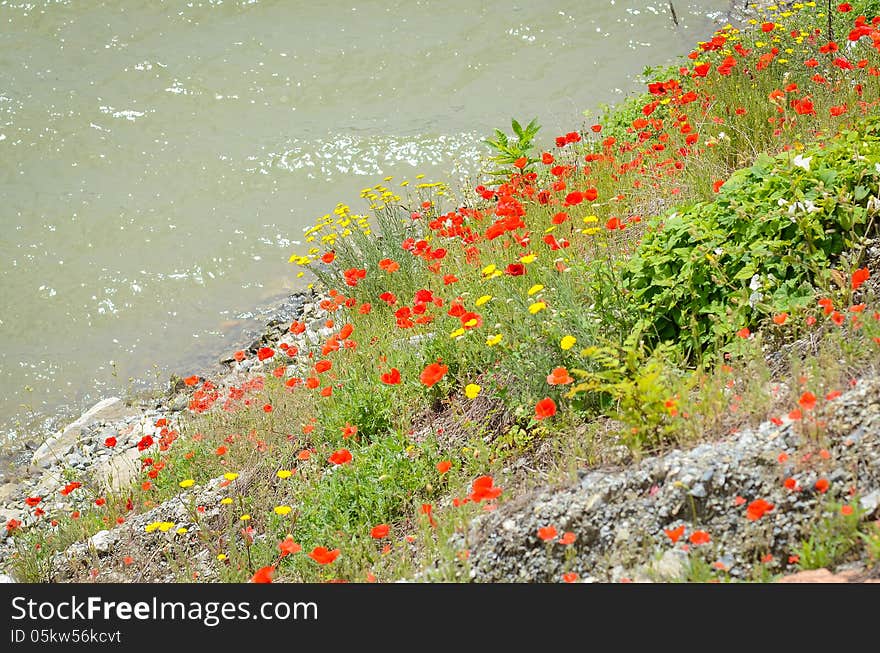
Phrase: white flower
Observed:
(802, 161)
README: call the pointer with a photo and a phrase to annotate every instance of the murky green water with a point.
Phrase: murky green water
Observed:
(159, 160)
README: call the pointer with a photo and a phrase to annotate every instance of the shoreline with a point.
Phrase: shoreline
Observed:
(79, 443)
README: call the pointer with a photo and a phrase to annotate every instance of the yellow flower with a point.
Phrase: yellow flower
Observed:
(567, 342)
(489, 269)
(494, 340)
(282, 510)
(457, 333)
(226, 501)
(284, 473)
(537, 307)
(186, 483)
(482, 300)
(471, 390)
(230, 476)
(221, 557)
(182, 531)
(245, 517)
(528, 258)
(535, 289)
(591, 218)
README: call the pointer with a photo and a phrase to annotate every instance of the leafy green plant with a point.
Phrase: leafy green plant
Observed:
(704, 272)
(831, 540)
(510, 151)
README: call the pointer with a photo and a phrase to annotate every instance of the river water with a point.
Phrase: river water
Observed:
(160, 159)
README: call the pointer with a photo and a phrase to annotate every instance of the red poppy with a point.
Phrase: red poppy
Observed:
(392, 377)
(767, 27)
(433, 373)
(699, 537)
(30, 502)
(569, 577)
(859, 277)
(380, 531)
(822, 485)
(757, 509)
(804, 107)
(443, 466)
(191, 380)
(265, 352)
(790, 484)
(239, 356)
(568, 538)
(515, 270)
(483, 487)
(807, 401)
(340, 457)
(110, 442)
(545, 408)
(323, 366)
(744, 332)
(263, 575)
(323, 556)
(559, 376)
(547, 533)
(287, 546)
(780, 318)
(674, 534)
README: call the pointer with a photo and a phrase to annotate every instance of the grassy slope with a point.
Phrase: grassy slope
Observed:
(521, 300)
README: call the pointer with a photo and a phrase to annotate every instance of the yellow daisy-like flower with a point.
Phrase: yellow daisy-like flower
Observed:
(226, 501)
(282, 510)
(245, 517)
(567, 342)
(221, 557)
(528, 258)
(284, 473)
(457, 333)
(537, 307)
(494, 340)
(187, 483)
(591, 218)
(471, 390)
(230, 476)
(482, 300)
(489, 269)
(535, 289)
(182, 531)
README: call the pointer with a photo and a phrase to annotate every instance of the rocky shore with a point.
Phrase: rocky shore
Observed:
(80, 450)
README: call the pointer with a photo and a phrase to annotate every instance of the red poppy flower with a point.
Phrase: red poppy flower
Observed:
(323, 366)
(145, 443)
(822, 485)
(790, 484)
(239, 356)
(263, 575)
(699, 537)
(515, 270)
(859, 277)
(380, 531)
(804, 107)
(767, 27)
(323, 556)
(674, 534)
(32, 501)
(757, 509)
(568, 538)
(545, 408)
(569, 577)
(483, 487)
(807, 401)
(443, 466)
(265, 352)
(392, 377)
(559, 376)
(340, 457)
(547, 533)
(110, 442)
(433, 373)
(288, 547)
